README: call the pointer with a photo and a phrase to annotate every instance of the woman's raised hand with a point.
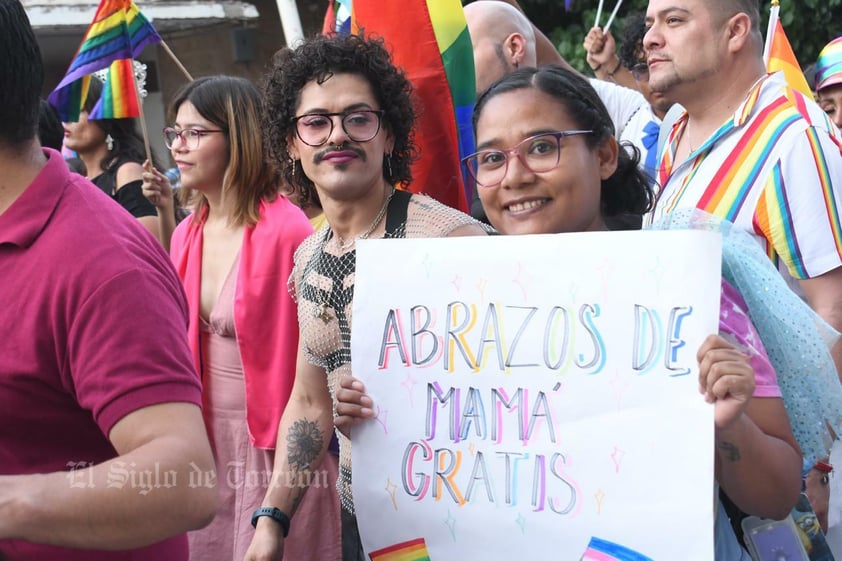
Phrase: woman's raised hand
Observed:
(156, 187)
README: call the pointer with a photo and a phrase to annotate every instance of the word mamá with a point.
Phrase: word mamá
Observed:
(508, 337)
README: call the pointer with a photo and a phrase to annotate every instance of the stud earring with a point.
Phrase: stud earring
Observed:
(109, 142)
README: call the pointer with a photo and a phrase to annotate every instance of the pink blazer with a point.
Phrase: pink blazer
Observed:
(265, 316)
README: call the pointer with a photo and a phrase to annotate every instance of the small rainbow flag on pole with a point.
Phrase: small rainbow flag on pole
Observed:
(603, 550)
(779, 55)
(429, 40)
(413, 550)
(338, 17)
(118, 31)
(117, 101)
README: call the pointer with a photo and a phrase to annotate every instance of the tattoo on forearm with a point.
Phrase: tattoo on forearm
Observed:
(297, 499)
(304, 442)
(731, 451)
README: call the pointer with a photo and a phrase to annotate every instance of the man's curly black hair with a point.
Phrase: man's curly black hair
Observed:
(631, 49)
(318, 59)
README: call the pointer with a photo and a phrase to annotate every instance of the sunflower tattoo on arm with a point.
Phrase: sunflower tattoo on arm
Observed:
(304, 443)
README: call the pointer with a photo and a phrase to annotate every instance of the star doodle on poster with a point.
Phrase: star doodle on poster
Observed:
(391, 488)
(605, 270)
(619, 386)
(657, 271)
(409, 383)
(457, 282)
(599, 496)
(450, 522)
(617, 457)
(521, 521)
(381, 417)
(427, 263)
(481, 286)
(519, 281)
(573, 291)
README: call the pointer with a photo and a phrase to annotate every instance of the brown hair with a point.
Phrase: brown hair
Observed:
(233, 104)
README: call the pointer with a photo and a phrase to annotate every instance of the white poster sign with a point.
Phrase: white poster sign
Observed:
(536, 396)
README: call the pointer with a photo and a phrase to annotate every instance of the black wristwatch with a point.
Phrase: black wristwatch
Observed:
(275, 514)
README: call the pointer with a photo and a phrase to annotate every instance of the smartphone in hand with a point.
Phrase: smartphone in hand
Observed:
(773, 540)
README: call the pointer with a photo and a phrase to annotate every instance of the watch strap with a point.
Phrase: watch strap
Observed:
(275, 514)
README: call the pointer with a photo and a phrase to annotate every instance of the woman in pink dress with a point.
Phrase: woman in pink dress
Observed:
(234, 255)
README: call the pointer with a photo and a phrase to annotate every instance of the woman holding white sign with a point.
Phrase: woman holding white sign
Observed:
(549, 163)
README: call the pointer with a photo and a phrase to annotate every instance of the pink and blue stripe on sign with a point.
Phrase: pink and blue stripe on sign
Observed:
(603, 550)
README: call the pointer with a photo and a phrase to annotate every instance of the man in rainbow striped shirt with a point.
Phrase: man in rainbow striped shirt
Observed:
(748, 148)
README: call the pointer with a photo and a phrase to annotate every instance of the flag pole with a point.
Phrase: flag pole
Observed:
(770, 30)
(290, 21)
(175, 60)
(141, 115)
(613, 14)
(144, 130)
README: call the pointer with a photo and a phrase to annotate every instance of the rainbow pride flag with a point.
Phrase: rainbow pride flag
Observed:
(413, 550)
(118, 31)
(779, 55)
(119, 98)
(69, 99)
(338, 17)
(602, 550)
(429, 40)
(783, 58)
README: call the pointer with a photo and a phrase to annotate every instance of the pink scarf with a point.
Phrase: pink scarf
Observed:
(265, 316)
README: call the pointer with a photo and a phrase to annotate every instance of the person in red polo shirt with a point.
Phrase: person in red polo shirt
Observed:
(103, 452)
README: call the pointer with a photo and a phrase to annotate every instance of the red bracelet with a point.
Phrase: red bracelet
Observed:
(823, 467)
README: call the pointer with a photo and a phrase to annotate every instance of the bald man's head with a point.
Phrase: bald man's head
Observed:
(502, 40)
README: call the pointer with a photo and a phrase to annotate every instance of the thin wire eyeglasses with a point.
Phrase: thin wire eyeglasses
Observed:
(189, 137)
(314, 129)
(539, 153)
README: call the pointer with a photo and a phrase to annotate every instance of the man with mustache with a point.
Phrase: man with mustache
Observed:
(748, 148)
(339, 122)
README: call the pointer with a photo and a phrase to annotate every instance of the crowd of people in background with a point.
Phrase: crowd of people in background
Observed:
(200, 322)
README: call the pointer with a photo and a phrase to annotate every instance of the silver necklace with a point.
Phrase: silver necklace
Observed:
(364, 236)
(322, 311)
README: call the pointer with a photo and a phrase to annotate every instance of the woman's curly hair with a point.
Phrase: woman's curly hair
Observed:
(318, 59)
